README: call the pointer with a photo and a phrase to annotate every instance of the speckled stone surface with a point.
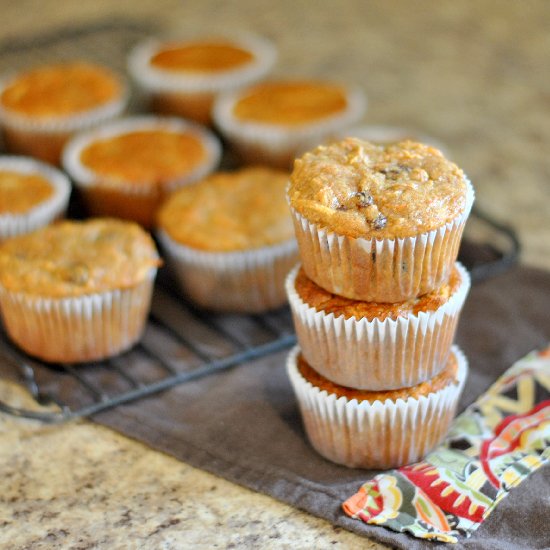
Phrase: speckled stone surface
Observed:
(471, 74)
(83, 486)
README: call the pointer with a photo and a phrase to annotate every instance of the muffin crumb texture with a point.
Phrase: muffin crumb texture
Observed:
(359, 189)
(76, 258)
(328, 302)
(448, 375)
(230, 211)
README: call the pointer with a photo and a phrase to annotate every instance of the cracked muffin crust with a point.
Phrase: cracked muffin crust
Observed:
(360, 189)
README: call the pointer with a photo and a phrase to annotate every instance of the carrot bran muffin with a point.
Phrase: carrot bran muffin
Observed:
(32, 194)
(365, 429)
(378, 223)
(272, 122)
(120, 172)
(42, 107)
(371, 345)
(77, 291)
(230, 239)
(183, 77)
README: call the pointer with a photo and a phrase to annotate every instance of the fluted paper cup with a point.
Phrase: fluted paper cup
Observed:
(279, 144)
(191, 94)
(137, 201)
(80, 328)
(246, 281)
(377, 435)
(379, 354)
(54, 207)
(380, 270)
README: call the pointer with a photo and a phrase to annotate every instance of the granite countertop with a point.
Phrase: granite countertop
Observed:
(472, 75)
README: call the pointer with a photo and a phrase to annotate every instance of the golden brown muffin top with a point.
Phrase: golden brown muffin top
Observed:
(73, 258)
(61, 90)
(359, 189)
(230, 211)
(290, 102)
(321, 300)
(201, 57)
(21, 192)
(147, 156)
(446, 377)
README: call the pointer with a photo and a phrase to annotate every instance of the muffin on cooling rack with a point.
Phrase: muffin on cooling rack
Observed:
(77, 291)
(32, 194)
(378, 223)
(126, 168)
(42, 107)
(376, 429)
(229, 239)
(183, 76)
(272, 122)
(372, 345)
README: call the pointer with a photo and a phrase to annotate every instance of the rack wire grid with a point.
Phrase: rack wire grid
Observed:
(180, 343)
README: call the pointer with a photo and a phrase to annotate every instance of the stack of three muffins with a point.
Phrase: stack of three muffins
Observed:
(377, 299)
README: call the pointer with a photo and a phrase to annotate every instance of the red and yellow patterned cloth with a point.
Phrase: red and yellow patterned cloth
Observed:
(494, 445)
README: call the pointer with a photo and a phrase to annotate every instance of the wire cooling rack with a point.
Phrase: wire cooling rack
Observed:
(180, 343)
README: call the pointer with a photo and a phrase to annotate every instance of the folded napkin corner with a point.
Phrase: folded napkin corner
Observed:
(494, 445)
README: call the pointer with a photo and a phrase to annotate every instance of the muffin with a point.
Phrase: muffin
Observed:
(230, 241)
(378, 223)
(366, 429)
(183, 77)
(127, 168)
(376, 346)
(42, 107)
(32, 194)
(272, 122)
(77, 291)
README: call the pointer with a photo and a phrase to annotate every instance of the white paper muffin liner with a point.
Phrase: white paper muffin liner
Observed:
(41, 214)
(246, 281)
(277, 144)
(376, 435)
(145, 195)
(377, 355)
(380, 270)
(77, 329)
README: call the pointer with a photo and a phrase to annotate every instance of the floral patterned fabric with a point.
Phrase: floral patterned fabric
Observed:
(494, 445)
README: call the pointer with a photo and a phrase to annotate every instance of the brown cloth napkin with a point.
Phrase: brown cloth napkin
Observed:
(243, 424)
